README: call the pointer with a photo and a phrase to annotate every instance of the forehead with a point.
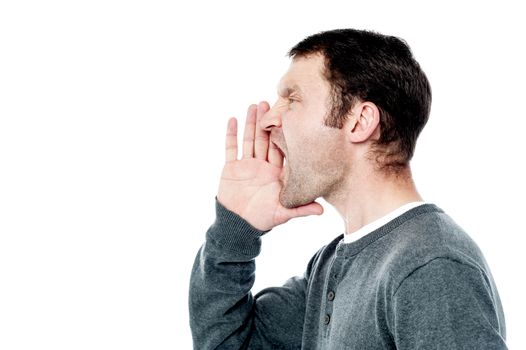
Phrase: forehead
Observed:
(305, 75)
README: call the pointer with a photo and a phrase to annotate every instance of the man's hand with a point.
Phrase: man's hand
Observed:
(250, 186)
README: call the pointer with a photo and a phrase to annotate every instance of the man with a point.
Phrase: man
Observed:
(403, 276)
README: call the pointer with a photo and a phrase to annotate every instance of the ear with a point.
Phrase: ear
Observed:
(363, 121)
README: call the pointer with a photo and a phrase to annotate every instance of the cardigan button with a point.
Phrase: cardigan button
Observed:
(327, 319)
(330, 295)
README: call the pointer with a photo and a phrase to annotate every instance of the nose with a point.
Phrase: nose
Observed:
(270, 118)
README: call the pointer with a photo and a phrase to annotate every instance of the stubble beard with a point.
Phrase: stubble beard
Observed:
(303, 185)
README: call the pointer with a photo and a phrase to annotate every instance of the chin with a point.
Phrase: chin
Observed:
(293, 199)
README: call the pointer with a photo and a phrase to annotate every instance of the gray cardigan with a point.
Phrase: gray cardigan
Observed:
(418, 282)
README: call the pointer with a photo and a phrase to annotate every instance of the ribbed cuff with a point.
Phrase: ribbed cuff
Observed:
(234, 233)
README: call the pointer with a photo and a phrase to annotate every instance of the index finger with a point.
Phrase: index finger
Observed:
(262, 136)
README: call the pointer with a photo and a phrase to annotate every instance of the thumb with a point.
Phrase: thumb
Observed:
(313, 208)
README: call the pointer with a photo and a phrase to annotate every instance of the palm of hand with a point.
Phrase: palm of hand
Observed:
(250, 186)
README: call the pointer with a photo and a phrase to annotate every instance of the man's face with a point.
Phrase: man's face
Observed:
(315, 155)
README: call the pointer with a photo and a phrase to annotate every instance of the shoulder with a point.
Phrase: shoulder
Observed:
(430, 237)
(445, 275)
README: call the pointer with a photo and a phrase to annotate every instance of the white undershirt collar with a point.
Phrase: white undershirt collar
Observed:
(370, 227)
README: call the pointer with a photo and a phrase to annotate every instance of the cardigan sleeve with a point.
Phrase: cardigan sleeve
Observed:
(223, 312)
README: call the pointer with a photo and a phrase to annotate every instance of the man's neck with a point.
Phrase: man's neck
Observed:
(370, 196)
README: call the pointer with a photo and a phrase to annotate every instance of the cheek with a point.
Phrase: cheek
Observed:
(303, 133)
(303, 150)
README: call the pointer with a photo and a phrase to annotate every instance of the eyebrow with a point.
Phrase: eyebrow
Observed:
(289, 90)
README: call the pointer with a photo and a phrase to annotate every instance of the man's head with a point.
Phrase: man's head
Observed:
(367, 66)
(346, 87)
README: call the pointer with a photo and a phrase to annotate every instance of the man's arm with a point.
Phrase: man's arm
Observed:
(446, 304)
(223, 312)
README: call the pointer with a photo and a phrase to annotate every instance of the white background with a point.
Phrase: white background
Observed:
(112, 122)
